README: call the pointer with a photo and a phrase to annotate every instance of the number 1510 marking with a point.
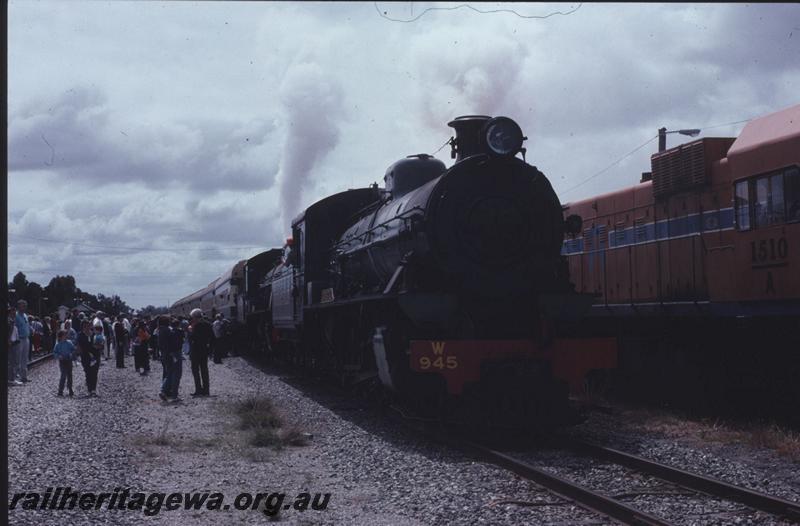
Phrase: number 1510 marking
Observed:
(769, 249)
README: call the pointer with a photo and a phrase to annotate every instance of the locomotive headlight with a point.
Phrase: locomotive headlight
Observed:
(503, 136)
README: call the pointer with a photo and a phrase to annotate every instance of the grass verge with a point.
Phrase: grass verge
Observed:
(266, 426)
(780, 439)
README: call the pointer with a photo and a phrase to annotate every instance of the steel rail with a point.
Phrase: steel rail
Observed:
(566, 489)
(40, 359)
(693, 481)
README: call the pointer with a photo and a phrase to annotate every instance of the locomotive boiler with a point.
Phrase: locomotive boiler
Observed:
(443, 285)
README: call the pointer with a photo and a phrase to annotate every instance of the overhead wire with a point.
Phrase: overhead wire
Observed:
(448, 141)
(726, 124)
(610, 166)
(604, 170)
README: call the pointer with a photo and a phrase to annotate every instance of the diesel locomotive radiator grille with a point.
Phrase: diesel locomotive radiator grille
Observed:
(678, 169)
(686, 166)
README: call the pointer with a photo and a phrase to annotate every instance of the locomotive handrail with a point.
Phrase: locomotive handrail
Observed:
(372, 243)
(375, 227)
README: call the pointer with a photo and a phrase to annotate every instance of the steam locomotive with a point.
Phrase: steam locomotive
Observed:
(444, 286)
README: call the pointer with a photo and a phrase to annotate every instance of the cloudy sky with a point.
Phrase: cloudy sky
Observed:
(152, 145)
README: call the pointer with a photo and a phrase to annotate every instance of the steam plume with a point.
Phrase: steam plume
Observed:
(312, 106)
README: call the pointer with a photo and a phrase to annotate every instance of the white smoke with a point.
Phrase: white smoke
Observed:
(463, 75)
(312, 106)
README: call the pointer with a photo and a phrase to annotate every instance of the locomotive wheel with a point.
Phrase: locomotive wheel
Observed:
(344, 348)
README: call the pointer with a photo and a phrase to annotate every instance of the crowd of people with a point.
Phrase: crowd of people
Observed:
(92, 341)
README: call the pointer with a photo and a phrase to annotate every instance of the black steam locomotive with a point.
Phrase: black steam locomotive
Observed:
(444, 285)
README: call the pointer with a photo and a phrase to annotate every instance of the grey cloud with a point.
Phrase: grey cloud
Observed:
(61, 132)
(586, 88)
(78, 136)
(235, 224)
(751, 39)
(193, 246)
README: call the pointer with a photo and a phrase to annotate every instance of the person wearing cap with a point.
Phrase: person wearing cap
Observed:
(201, 342)
(20, 350)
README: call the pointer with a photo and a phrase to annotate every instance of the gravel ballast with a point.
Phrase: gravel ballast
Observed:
(376, 472)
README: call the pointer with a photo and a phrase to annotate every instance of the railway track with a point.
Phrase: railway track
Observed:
(603, 504)
(614, 508)
(566, 489)
(693, 481)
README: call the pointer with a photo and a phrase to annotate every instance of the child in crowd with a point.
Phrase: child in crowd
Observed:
(64, 352)
(140, 358)
(72, 335)
(99, 341)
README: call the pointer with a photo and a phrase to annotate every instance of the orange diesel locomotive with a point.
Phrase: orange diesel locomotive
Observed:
(706, 243)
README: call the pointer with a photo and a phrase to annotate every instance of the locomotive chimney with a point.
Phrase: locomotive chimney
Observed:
(468, 135)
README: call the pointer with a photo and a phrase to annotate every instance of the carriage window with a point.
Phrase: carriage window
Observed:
(792, 183)
(742, 206)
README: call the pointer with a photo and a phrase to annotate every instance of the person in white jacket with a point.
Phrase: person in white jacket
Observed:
(13, 341)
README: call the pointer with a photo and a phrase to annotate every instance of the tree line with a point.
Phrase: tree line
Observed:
(62, 290)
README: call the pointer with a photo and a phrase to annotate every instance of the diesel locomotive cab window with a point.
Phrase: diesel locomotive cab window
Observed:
(769, 199)
(792, 190)
(762, 202)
